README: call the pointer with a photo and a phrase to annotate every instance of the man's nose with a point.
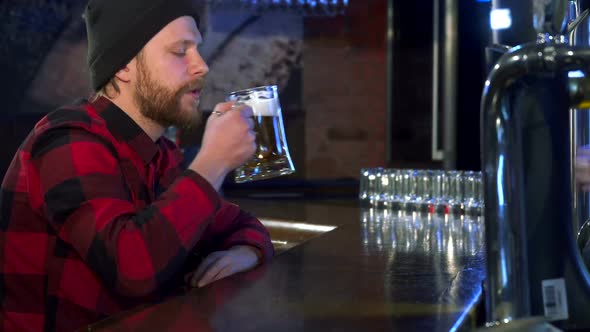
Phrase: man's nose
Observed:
(197, 66)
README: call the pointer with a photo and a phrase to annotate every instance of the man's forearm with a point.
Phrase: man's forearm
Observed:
(209, 169)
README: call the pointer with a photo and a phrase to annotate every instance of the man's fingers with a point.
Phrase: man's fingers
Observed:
(213, 271)
(246, 111)
(209, 274)
(222, 108)
(225, 272)
(251, 123)
(203, 267)
(221, 264)
(222, 273)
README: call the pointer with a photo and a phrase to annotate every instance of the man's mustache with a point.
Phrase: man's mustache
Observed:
(197, 84)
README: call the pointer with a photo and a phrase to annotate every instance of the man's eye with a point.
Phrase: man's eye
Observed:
(179, 52)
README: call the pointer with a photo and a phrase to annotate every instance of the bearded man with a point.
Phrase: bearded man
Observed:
(96, 215)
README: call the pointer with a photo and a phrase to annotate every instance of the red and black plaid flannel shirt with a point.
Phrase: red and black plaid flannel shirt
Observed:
(96, 218)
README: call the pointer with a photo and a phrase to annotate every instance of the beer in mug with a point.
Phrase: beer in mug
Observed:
(272, 156)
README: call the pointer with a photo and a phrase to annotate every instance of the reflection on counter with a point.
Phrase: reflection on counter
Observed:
(443, 253)
(401, 231)
(286, 234)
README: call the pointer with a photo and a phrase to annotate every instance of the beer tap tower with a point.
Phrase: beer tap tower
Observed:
(534, 267)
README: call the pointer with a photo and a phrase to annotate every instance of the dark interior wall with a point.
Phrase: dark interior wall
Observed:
(412, 82)
(474, 36)
(28, 31)
(14, 128)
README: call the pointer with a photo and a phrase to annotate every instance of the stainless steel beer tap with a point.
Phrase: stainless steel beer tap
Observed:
(534, 267)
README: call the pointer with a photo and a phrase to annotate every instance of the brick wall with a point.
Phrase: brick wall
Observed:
(345, 91)
(345, 102)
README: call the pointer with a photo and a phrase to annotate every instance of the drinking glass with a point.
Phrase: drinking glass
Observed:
(272, 157)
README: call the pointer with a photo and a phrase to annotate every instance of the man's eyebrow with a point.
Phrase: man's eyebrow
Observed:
(184, 42)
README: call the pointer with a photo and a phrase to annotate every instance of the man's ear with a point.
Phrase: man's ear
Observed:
(124, 74)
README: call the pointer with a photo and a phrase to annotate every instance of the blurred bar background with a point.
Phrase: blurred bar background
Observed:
(363, 83)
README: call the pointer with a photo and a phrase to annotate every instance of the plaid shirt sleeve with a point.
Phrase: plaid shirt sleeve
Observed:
(231, 226)
(133, 250)
(244, 229)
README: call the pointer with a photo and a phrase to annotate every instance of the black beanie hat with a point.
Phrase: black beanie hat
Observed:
(118, 29)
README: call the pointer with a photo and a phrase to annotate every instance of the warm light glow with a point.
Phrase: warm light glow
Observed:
(296, 225)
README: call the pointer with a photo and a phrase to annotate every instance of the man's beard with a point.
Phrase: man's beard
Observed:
(162, 104)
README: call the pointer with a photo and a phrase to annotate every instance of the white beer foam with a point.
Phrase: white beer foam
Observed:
(264, 107)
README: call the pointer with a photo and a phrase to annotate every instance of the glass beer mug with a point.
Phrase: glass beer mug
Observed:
(272, 157)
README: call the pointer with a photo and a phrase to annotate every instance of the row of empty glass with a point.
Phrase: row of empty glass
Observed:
(432, 191)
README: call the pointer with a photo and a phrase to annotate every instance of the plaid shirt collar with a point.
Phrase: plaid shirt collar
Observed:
(125, 129)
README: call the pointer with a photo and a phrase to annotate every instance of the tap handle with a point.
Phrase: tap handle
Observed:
(550, 16)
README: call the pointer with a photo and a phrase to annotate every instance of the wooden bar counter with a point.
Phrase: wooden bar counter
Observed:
(378, 270)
